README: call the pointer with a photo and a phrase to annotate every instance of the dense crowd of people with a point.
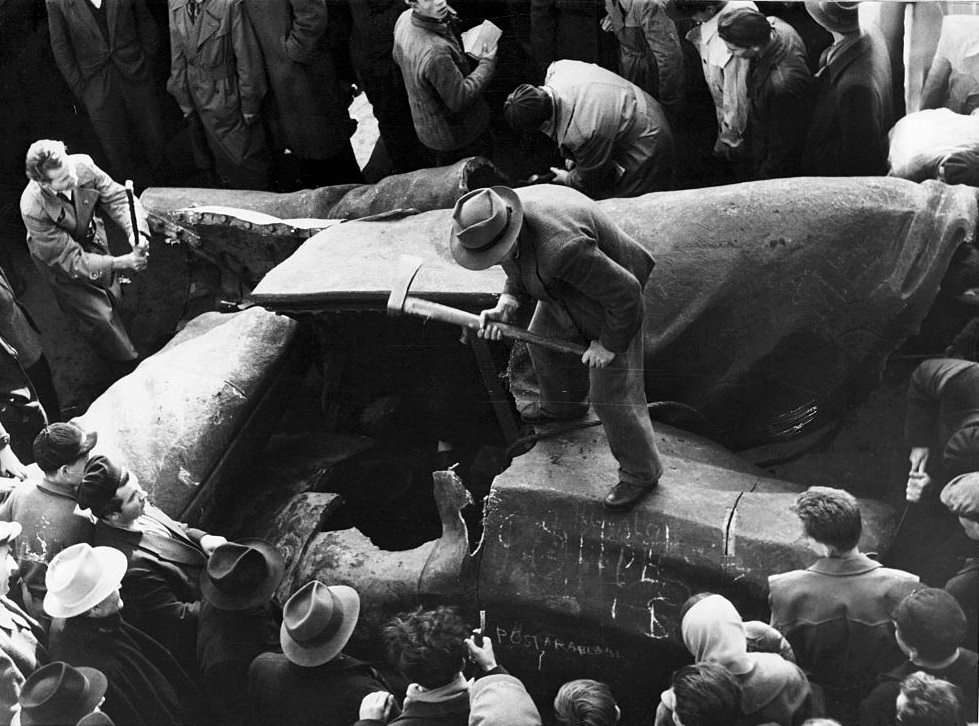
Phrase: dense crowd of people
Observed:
(112, 612)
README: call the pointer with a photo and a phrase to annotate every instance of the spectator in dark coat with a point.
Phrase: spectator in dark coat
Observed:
(146, 686)
(309, 117)
(853, 108)
(428, 647)
(929, 625)
(218, 78)
(106, 51)
(561, 30)
(371, 45)
(446, 94)
(311, 682)
(161, 587)
(942, 422)
(779, 89)
(837, 613)
(961, 496)
(238, 622)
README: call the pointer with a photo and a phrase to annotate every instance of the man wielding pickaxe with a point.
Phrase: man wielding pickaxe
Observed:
(560, 249)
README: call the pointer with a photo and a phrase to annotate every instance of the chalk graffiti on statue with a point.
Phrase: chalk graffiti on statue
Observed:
(543, 643)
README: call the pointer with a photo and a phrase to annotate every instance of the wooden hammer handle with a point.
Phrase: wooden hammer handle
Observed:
(446, 314)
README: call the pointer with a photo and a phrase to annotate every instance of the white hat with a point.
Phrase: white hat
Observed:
(80, 577)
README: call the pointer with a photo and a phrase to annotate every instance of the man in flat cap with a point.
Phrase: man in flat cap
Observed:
(779, 89)
(961, 496)
(616, 134)
(586, 276)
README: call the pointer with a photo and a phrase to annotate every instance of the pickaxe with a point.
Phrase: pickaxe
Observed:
(400, 302)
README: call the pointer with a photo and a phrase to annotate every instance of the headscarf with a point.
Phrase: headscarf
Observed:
(713, 631)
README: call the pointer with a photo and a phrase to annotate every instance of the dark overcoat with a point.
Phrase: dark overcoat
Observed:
(310, 118)
(853, 111)
(161, 587)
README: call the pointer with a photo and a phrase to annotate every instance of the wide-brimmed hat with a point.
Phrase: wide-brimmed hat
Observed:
(841, 17)
(242, 574)
(485, 226)
(59, 444)
(9, 531)
(60, 694)
(317, 622)
(80, 577)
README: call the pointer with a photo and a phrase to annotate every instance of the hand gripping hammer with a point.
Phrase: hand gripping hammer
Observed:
(400, 302)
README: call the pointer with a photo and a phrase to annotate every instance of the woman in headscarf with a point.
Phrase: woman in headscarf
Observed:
(773, 689)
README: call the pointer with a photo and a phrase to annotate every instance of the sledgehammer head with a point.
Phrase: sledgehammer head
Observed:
(408, 267)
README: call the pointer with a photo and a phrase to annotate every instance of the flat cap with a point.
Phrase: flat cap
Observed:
(961, 496)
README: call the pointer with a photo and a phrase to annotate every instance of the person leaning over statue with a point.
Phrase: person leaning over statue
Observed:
(68, 244)
(560, 249)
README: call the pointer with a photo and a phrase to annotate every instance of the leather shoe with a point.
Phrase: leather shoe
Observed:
(625, 496)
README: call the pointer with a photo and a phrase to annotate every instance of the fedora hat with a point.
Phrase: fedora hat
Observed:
(60, 694)
(317, 622)
(485, 226)
(80, 577)
(243, 574)
(9, 531)
(841, 17)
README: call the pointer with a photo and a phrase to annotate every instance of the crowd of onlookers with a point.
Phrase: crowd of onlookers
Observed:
(675, 93)
(112, 612)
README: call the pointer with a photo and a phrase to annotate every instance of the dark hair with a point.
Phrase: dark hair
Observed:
(929, 701)
(932, 622)
(585, 702)
(691, 601)
(830, 516)
(707, 694)
(744, 28)
(101, 480)
(42, 156)
(427, 646)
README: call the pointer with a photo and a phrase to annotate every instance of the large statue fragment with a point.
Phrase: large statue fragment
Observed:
(773, 304)
(177, 415)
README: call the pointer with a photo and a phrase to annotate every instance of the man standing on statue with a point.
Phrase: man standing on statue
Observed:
(560, 249)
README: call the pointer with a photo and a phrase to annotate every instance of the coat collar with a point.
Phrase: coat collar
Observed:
(208, 22)
(837, 58)
(177, 548)
(858, 564)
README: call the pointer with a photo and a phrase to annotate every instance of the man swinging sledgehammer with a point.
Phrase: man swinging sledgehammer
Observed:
(561, 250)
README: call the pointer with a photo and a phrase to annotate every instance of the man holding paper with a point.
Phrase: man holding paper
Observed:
(445, 92)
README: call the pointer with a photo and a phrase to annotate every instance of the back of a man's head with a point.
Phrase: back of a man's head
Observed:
(585, 702)
(930, 623)
(928, 701)
(830, 516)
(707, 694)
(43, 156)
(427, 646)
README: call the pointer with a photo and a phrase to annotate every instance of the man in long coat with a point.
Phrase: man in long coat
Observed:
(617, 134)
(68, 245)
(105, 49)
(310, 118)
(218, 78)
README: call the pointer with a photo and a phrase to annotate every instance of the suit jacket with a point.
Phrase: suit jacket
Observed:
(853, 111)
(58, 230)
(21, 653)
(327, 695)
(161, 587)
(943, 398)
(83, 53)
(572, 254)
(837, 617)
